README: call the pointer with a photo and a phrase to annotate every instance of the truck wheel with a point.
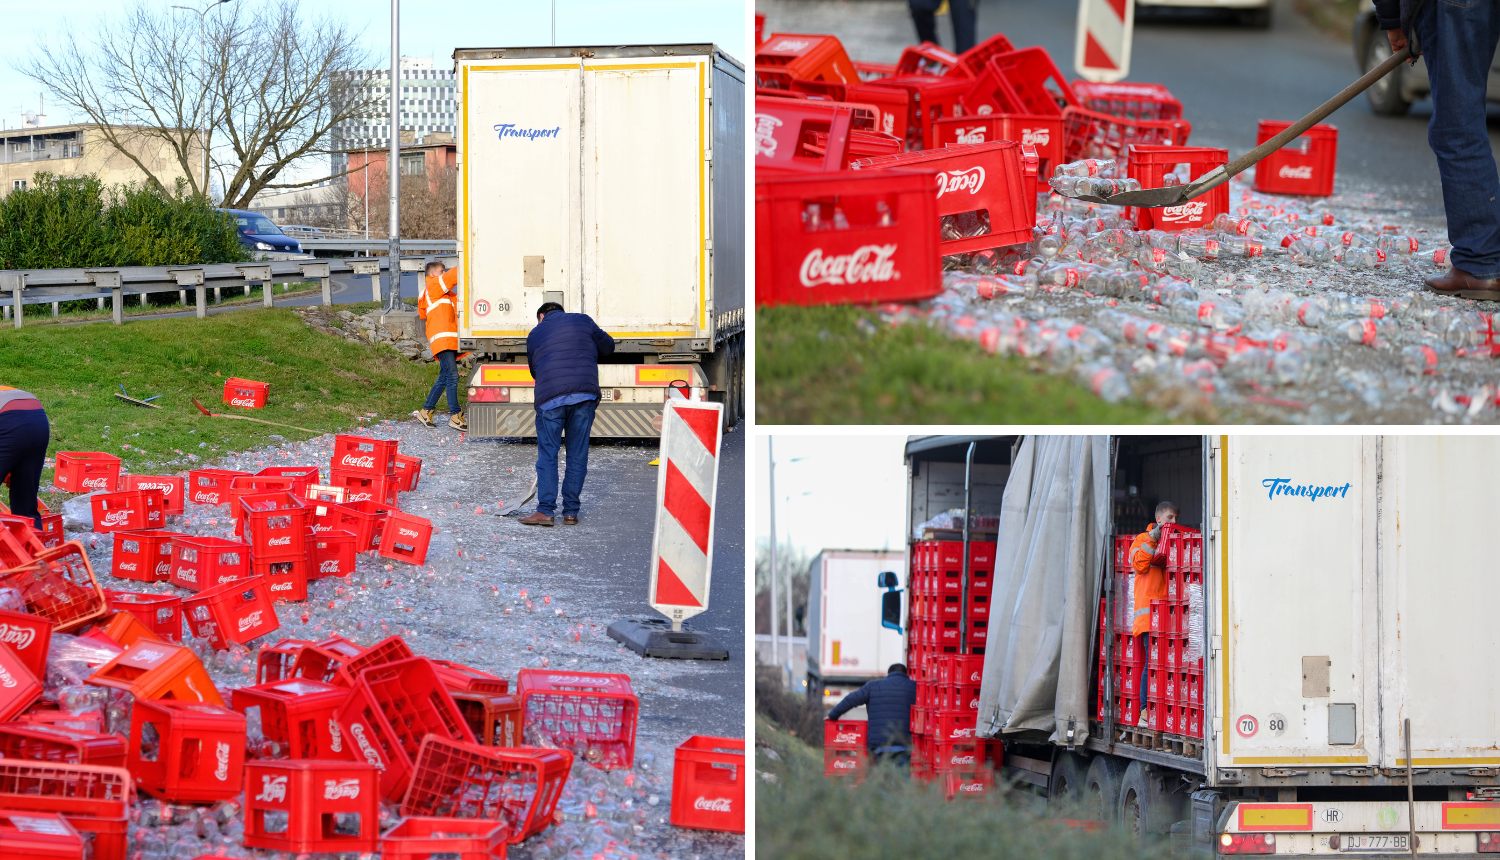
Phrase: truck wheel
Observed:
(1065, 791)
(1101, 788)
(739, 377)
(1147, 808)
(1385, 94)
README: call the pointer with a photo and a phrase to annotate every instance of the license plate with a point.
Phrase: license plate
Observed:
(1373, 842)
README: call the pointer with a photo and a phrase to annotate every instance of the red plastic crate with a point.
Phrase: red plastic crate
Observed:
(122, 629)
(286, 580)
(364, 519)
(298, 714)
(932, 100)
(708, 784)
(1090, 134)
(951, 726)
(409, 470)
(172, 487)
(19, 688)
(363, 454)
(29, 636)
(1306, 165)
(158, 670)
(787, 131)
(131, 510)
(881, 109)
(238, 611)
(52, 528)
(846, 764)
(32, 835)
(418, 838)
(144, 556)
(456, 779)
(93, 799)
(1128, 100)
(302, 477)
(760, 28)
(957, 757)
(330, 553)
(595, 709)
(925, 59)
(1150, 163)
(86, 471)
(201, 563)
(845, 734)
(88, 721)
(1044, 133)
(246, 393)
(187, 752)
(392, 649)
(275, 525)
(390, 709)
(160, 613)
(254, 485)
(323, 494)
(405, 537)
(360, 487)
(1020, 81)
(211, 486)
(19, 540)
(495, 720)
(888, 253)
(312, 806)
(459, 678)
(59, 585)
(968, 785)
(785, 56)
(274, 662)
(971, 63)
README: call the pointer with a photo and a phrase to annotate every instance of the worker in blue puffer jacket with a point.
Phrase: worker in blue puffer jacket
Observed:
(888, 703)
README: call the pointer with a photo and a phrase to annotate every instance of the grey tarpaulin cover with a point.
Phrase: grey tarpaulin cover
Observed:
(1044, 602)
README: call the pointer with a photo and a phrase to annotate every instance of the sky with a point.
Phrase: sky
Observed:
(854, 486)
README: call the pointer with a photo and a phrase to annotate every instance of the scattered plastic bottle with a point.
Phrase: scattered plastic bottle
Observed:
(1403, 245)
(1106, 381)
(1362, 258)
(1219, 315)
(1420, 359)
(1085, 168)
(1368, 332)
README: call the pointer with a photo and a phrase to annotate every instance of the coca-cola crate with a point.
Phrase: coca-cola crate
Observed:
(495, 719)
(1306, 165)
(246, 393)
(161, 613)
(1128, 99)
(238, 611)
(312, 806)
(29, 636)
(459, 678)
(1091, 134)
(124, 630)
(275, 525)
(286, 579)
(409, 470)
(876, 108)
(793, 56)
(364, 455)
(392, 649)
(131, 510)
(19, 688)
(16, 549)
(158, 670)
(88, 721)
(846, 764)
(323, 494)
(1128, 650)
(971, 62)
(1192, 688)
(957, 757)
(1150, 164)
(144, 556)
(1127, 678)
(172, 487)
(86, 472)
(1192, 721)
(93, 799)
(708, 784)
(932, 100)
(200, 563)
(1156, 715)
(211, 486)
(845, 734)
(595, 709)
(52, 528)
(187, 752)
(274, 662)
(1163, 617)
(968, 785)
(418, 838)
(959, 669)
(362, 487)
(59, 585)
(298, 714)
(405, 537)
(364, 519)
(1042, 132)
(1021, 81)
(32, 835)
(787, 132)
(985, 189)
(390, 709)
(925, 59)
(315, 662)
(951, 726)
(877, 242)
(458, 779)
(254, 485)
(330, 553)
(302, 477)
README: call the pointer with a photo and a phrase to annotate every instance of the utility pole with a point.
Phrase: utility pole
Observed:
(393, 281)
(771, 465)
(203, 79)
(554, 23)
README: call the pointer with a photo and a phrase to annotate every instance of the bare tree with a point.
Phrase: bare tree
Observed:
(272, 86)
(429, 203)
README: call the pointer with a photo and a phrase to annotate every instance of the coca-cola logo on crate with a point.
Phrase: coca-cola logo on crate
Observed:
(354, 462)
(334, 789)
(1189, 211)
(165, 486)
(249, 621)
(281, 586)
(117, 518)
(954, 181)
(970, 135)
(6, 679)
(221, 753)
(329, 567)
(369, 752)
(272, 789)
(868, 264)
(337, 737)
(716, 804)
(1035, 136)
(1289, 172)
(846, 737)
(765, 134)
(790, 46)
(16, 636)
(126, 565)
(94, 482)
(242, 401)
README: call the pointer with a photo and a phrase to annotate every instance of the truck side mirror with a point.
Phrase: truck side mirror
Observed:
(890, 601)
(887, 579)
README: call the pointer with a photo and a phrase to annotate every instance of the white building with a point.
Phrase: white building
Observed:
(428, 104)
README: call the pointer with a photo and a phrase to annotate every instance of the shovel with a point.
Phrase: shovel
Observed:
(205, 411)
(510, 507)
(1152, 198)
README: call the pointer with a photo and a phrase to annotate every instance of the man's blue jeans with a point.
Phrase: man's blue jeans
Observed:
(574, 420)
(1458, 40)
(447, 381)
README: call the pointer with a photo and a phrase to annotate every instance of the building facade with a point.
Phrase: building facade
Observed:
(81, 149)
(428, 105)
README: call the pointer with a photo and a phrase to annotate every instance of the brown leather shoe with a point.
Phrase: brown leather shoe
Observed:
(1457, 282)
(538, 519)
(570, 521)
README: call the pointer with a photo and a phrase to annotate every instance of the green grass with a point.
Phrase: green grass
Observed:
(317, 382)
(816, 366)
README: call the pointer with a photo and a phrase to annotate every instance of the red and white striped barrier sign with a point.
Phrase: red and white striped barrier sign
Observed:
(1101, 53)
(682, 547)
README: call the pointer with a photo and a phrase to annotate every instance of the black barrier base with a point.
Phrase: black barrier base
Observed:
(654, 637)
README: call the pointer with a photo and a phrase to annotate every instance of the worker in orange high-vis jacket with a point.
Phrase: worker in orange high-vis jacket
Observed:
(1148, 558)
(438, 305)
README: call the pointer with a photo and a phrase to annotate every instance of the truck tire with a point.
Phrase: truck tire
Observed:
(1101, 788)
(1384, 95)
(1065, 791)
(739, 377)
(1147, 808)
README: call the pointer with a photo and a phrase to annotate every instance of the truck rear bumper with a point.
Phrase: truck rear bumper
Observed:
(611, 421)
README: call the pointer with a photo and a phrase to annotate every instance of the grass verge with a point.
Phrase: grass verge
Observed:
(818, 365)
(321, 383)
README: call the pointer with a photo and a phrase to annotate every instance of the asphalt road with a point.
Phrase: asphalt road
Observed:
(1226, 76)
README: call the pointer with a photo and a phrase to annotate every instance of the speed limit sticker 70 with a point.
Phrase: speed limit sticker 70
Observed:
(1246, 726)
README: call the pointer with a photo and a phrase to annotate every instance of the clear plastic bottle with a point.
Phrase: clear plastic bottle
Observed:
(1368, 332)
(1241, 246)
(1362, 258)
(1106, 381)
(1403, 245)
(1085, 168)
(1420, 359)
(1469, 329)
(1216, 315)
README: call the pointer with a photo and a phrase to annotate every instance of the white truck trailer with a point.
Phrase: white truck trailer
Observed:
(1349, 598)
(610, 180)
(846, 644)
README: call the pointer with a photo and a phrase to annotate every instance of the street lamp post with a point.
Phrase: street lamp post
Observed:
(393, 252)
(203, 78)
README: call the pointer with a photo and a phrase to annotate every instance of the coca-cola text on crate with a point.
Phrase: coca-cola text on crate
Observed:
(172, 487)
(86, 472)
(363, 454)
(784, 129)
(787, 56)
(1042, 132)
(245, 393)
(1304, 166)
(29, 636)
(211, 486)
(1150, 163)
(708, 784)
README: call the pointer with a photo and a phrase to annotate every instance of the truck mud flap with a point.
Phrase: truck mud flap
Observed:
(611, 421)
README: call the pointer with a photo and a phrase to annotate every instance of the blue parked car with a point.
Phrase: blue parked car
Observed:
(257, 233)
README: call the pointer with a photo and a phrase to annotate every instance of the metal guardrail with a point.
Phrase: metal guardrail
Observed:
(20, 287)
(407, 245)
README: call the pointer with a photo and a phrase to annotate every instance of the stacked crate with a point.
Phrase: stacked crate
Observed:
(947, 667)
(1173, 694)
(1127, 653)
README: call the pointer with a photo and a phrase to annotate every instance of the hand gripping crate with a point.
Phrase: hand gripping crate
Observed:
(708, 784)
(360, 487)
(286, 580)
(983, 186)
(409, 470)
(1150, 164)
(1044, 133)
(160, 613)
(1021, 81)
(201, 563)
(419, 838)
(93, 799)
(388, 712)
(875, 238)
(254, 485)
(211, 486)
(86, 472)
(785, 130)
(297, 713)
(1128, 100)
(275, 525)
(131, 510)
(1090, 134)
(29, 636)
(302, 477)
(158, 670)
(59, 585)
(238, 611)
(144, 556)
(172, 487)
(845, 734)
(1306, 165)
(363, 454)
(595, 710)
(792, 56)
(405, 537)
(330, 553)
(187, 752)
(246, 393)
(518, 787)
(38, 836)
(312, 806)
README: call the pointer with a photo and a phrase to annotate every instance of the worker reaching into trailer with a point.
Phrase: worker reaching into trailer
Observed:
(1148, 558)
(888, 703)
(436, 305)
